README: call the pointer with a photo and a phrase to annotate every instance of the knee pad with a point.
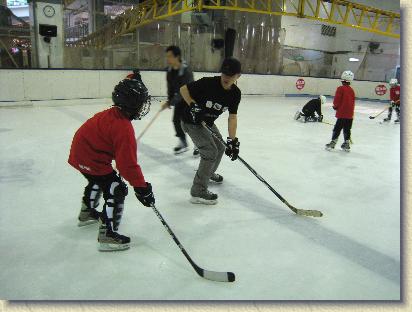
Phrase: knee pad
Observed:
(113, 210)
(118, 190)
(91, 196)
(397, 109)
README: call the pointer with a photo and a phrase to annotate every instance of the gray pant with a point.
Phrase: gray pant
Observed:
(211, 152)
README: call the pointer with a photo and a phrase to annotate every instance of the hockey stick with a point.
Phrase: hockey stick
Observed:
(373, 117)
(149, 124)
(331, 124)
(210, 275)
(301, 212)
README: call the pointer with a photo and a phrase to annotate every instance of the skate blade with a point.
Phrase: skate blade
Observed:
(181, 151)
(113, 247)
(221, 182)
(329, 149)
(198, 200)
(85, 223)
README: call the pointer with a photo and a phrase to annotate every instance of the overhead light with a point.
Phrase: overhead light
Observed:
(353, 59)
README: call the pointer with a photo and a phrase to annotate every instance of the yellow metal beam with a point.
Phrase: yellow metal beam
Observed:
(377, 21)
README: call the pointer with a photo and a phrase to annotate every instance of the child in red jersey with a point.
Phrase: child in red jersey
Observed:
(344, 104)
(395, 98)
(108, 136)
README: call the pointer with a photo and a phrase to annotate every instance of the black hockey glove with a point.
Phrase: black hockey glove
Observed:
(320, 118)
(196, 113)
(145, 195)
(232, 149)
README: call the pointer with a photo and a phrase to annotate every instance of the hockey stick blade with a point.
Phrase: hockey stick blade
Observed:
(216, 276)
(373, 117)
(210, 275)
(309, 213)
(304, 212)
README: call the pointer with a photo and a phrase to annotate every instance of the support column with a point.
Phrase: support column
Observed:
(96, 15)
(47, 55)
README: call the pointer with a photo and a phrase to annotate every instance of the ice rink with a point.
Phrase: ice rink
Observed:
(352, 252)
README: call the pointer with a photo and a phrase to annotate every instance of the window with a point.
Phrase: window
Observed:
(328, 31)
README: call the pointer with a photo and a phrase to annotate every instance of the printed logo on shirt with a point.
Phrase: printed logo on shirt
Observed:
(216, 106)
(85, 167)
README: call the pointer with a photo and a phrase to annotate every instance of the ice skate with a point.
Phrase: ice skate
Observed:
(87, 216)
(217, 178)
(181, 147)
(397, 120)
(111, 241)
(297, 115)
(310, 119)
(330, 146)
(204, 197)
(346, 146)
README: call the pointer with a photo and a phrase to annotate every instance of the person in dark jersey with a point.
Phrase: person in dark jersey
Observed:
(206, 100)
(308, 111)
(178, 74)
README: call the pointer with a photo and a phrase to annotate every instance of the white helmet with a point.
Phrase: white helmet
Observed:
(347, 75)
(322, 99)
(393, 82)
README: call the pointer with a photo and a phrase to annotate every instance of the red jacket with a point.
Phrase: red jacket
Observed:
(344, 102)
(395, 94)
(106, 136)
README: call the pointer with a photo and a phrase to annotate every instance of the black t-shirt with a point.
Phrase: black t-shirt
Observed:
(212, 98)
(311, 107)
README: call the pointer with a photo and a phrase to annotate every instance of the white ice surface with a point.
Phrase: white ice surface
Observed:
(353, 252)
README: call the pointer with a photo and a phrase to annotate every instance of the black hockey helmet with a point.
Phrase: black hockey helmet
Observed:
(132, 96)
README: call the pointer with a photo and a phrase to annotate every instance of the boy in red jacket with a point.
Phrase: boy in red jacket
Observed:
(108, 136)
(344, 104)
(395, 98)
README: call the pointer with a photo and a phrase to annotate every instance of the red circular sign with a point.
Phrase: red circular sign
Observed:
(381, 89)
(300, 84)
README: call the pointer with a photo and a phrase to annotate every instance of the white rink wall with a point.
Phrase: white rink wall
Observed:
(20, 87)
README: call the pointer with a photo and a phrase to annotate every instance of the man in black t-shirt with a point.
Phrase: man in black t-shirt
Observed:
(178, 74)
(206, 100)
(308, 111)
